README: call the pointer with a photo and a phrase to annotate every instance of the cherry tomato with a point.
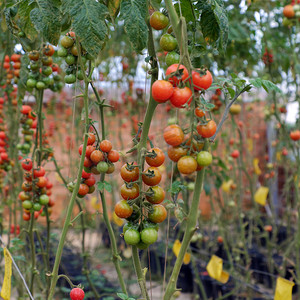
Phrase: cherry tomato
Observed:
(77, 294)
(187, 165)
(158, 20)
(96, 156)
(158, 214)
(26, 216)
(132, 237)
(295, 135)
(25, 109)
(102, 167)
(89, 150)
(181, 96)
(168, 42)
(23, 196)
(175, 153)
(87, 162)
(27, 164)
(34, 55)
(172, 58)
(235, 154)
(42, 182)
(67, 42)
(207, 130)
(158, 194)
(39, 172)
(156, 161)
(199, 112)
(204, 158)
(123, 209)
(129, 173)
(235, 109)
(129, 193)
(149, 236)
(91, 139)
(173, 68)
(201, 81)
(105, 146)
(113, 156)
(162, 90)
(48, 50)
(90, 181)
(173, 135)
(151, 176)
(83, 189)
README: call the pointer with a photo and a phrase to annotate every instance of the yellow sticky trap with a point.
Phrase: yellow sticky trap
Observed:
(283, 289)
(261, 194)
(227, 185)
(257, 169)
(215, 269)
(118, 221)
(176, 249)
(94, 203)
(278, 156)
(6, 287)
(250, 145)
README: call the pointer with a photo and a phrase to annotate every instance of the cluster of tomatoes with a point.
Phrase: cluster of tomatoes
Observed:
(295, 135)
(12, 66)
(69, 52)
(176, 89)
(143, 210)
(43, 72)
(99, 159)
(36, 191)
(29, 124)
(268, 57)
(292, 10)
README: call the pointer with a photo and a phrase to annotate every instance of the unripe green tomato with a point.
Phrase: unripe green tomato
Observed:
(47, 70)
(62, 52)
(37, 206)
(60, 85)
(51, 81)
(27, 138)
(44, 199)
(70, 78)
(31, 83)
(40, 85)
(191, 186)
(296, 7)
(168, 42)
(34, 65)
(297, 14)
(21, 34)
(27, 204)
(67, 42)
(91, 189)
(56, 78)
(204, 158)
(79, 75)
(89, 57)
(29, 122)
(70, 59)
(102, 167)
(83, 59)
(142, 246)
(26, 147)
(172, 58)
(132, 237)
(47, 81)
(149, 236)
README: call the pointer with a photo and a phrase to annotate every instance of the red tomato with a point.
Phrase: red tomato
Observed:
(25, 109)
(151, 176)
(199, 112)
(105, 146)
(129, 173)
(39, 172)
(207, 130)
(162, 91)
(201, 81)
(156, 161)
(235, 154)
(123, 209)
(173, 68)
(113, 156)
(295, 135)
(181, 96)
(27, 164)
(173, 135)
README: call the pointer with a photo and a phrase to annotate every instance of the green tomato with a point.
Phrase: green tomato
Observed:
(37, 206)
(56, 78)
(70, 78)
(70, 59)
(142, 246)
(67, 42)
(34, 65)
(40, 85)
(62, 52)
(31, 83)
(204, 158)
(132, 237)
(172, 58)
(47, 80)
(102, 167)
(27, 138)
(168, 42)
(47, 71)
(27, 204)
(79, 75)
(44, 199)
(149, 236)
(60, 86)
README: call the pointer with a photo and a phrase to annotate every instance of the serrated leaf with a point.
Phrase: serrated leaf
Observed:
(186, 9)
(113, 7)
(133, 12)
(46, 18)
(230, 91)
(88, 22)
(23, 77)
(26, 25)
(256, 82)
(270, 86)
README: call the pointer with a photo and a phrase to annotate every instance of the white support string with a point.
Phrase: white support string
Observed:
(18, 270)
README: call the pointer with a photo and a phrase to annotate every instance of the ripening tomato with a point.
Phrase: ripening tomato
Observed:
(26, 216)
(85, 174)
(89, 150)
(181, 70)
(91, 139)
(158, 20)
(157, 194)
(27, 164)
(105, 146)
(162, 90)
(158, 214)
(151, 176)
(156, 161)
(123, 209)
(87, 162)
(199, 112)
(204, 158)
(26, 186)
(96, 156)
(25, 109)
(235, 154)
(284, 152)
(24, 196)
(288, 11)
(201, 80)
(34, 55)
(90, 181)
(83, 189)
(167, 42)
(42, 182)
(207, 130)
(187, 165)
(48, 50)
(181, 96)
(175, 153)
(295, 135)
(173, 135)
(113, 156)
(129, 193)
(235, 109)
(39, 172)
(129, 173)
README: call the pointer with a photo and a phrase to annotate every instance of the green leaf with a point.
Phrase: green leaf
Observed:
(230, 91)
(256, 82)
(88, 22)
(176, 187)
(26, 25)
(186, 9)
(23, 76)
(100, 186)
(122, 296)
(107, 186)
(134, 12)
(113, 8)
(46, 18)
(270, 86)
